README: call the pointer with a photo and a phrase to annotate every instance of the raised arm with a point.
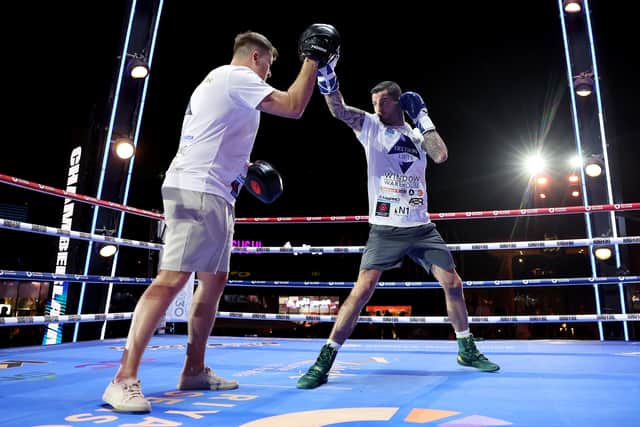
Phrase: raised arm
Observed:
(317, 45)
(294, 101)
(432, 143)
(328, 85)
(353, 117)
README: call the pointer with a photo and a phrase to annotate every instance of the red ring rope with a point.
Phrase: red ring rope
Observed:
(504, 213)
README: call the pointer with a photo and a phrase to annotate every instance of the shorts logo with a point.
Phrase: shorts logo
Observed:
(382, 209)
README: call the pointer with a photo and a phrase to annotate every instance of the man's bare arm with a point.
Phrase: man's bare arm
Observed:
(435, 146)
(353, 117)
(293, 102)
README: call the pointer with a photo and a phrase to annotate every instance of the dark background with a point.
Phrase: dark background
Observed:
(493, 77)
(494, 80)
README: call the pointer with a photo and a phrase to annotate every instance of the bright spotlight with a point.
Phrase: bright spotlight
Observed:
(593, 170)
(535, 164)
(139, 72)
(575, 162)
(593, 165)
(603, 253)
(138, 67)
(108, 250)
(583, 84)
(542, 180)
(572, 6)
(124, 148)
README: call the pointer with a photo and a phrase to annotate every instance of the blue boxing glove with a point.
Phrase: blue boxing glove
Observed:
(327, 79)
(413, 105)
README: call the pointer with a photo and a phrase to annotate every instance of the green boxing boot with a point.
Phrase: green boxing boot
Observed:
(469, 355)
(318, 373)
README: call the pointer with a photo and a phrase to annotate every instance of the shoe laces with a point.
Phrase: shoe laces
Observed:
(133, 390)
(479, 356)
(326, 355)
(323, 363)
(471, 349)
(315, 372)
(211, 374)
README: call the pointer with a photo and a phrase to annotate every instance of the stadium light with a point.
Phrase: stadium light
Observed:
(583, 84)
(124, 148)
(535, 164)
(593, 166)
(137, 66)
(603, 253)
(572, 6)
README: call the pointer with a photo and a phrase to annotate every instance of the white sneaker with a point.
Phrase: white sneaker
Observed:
(126, 396)
(205, 380)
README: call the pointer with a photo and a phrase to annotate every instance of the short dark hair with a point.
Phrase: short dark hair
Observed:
(250, 40)
(392, 88)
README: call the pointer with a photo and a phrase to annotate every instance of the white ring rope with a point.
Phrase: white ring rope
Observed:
(80, 235)
(437, 319)
(56, 277)
(531, 244)
(70, 318)
(562, 318)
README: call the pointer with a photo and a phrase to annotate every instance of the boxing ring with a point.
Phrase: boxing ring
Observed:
(374, 382)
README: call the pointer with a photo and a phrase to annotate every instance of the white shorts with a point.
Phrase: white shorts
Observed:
(199, 234)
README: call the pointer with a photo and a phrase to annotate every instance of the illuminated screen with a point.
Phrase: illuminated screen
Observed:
(308, 304)
(388, 310)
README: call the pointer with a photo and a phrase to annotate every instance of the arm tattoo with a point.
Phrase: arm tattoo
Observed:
(353, 117)
(435, 146)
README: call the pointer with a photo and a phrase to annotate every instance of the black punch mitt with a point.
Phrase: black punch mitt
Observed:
(263, 181)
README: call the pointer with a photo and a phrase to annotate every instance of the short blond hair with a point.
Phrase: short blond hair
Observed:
(249, 40)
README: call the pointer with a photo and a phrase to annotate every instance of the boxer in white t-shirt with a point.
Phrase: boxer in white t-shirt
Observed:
(199, 192)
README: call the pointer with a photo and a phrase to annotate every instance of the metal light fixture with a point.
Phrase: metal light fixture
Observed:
(137, 66)
(583, 84)
(603, 253)
(107, 249)
(593, 165)
(572, 6)
(124, 147)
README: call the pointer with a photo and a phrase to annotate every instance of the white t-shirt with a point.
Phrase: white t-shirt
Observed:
(396, 165)
(218, 132)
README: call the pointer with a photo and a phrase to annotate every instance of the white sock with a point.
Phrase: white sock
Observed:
(463, 334)
(334, 344)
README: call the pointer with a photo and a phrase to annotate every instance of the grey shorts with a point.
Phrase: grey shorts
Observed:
(387, 246)
(199, 233)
